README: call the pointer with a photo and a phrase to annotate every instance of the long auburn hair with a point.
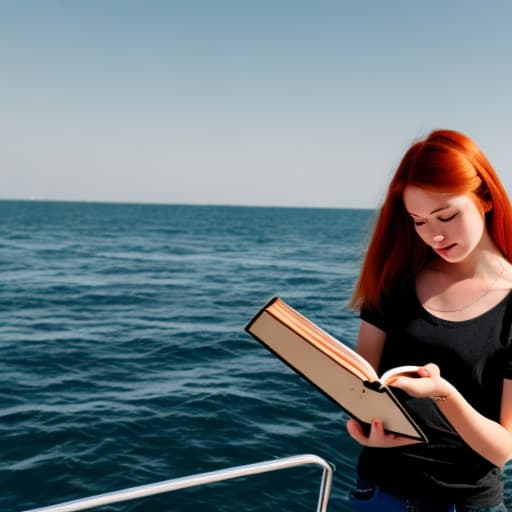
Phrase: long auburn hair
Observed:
(445, 161)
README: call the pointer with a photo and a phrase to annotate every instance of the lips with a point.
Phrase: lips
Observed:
(444, 249)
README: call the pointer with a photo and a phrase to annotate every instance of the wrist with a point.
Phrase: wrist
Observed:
(444, 393)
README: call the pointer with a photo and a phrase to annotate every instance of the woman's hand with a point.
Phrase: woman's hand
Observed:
(428, 383)
(377, 438)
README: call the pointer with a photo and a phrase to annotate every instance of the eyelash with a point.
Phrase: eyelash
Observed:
(447, 219)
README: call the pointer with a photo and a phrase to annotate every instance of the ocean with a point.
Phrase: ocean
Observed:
(125, 360)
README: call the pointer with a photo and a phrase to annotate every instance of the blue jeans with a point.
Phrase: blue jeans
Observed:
(373, 499)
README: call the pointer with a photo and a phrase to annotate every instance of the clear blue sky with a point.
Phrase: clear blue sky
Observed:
(266, 102)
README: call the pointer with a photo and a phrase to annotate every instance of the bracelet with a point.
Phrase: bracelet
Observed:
(438, 398)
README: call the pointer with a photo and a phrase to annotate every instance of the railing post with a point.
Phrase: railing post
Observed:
(325, 490)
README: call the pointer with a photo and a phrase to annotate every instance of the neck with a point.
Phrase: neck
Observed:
(485, 260)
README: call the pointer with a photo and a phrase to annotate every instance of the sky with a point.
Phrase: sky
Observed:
(243, 102)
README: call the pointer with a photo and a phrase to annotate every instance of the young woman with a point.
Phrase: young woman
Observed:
(435, 291)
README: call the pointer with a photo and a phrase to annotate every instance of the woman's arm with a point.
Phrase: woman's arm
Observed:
(492, 440)
(370, 343)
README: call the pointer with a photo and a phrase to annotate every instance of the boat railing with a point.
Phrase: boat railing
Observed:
(198, 479)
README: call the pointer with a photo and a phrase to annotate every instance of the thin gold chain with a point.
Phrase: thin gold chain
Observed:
(478, 299)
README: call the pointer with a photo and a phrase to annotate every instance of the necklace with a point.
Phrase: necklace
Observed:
(478, 299)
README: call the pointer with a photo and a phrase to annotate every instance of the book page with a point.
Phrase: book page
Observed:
(408, 371)
(325, 342)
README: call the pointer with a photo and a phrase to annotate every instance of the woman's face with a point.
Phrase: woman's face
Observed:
(453, 225)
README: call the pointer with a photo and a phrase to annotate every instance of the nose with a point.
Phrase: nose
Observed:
(438, 238)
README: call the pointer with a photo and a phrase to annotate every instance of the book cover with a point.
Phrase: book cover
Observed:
(333, 368)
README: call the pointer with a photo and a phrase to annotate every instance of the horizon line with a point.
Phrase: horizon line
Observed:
(160, 203)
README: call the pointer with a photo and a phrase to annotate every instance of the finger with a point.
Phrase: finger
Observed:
(423, 372)
(414, 387)
(432, 370)
(355, 430)
(379, 437)
(429, 370)
(377, 433)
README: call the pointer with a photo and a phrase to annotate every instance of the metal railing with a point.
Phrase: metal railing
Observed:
(175, 484)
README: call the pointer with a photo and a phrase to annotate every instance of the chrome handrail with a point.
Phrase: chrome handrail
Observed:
(201, 479)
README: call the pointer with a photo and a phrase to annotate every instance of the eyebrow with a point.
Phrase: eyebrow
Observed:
(432, 212)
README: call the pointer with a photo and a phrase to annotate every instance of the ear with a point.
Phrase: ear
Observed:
(487, 205)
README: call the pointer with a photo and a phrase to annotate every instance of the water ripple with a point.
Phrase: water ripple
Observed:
(124, 356)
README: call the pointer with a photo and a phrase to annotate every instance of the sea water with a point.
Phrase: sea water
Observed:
(124, 359)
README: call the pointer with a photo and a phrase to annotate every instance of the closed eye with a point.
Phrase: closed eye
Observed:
(447, 219)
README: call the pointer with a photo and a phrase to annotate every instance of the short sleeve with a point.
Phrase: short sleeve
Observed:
(507, 369)
(376, 318)
(392, 307)
(507, 337)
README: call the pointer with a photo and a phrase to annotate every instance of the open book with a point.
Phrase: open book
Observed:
(334, 368)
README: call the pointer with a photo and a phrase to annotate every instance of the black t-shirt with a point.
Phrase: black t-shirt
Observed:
(475, 356)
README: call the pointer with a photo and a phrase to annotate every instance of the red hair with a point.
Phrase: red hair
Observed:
(446, 161)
